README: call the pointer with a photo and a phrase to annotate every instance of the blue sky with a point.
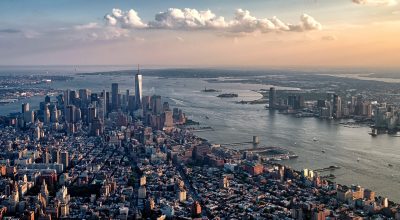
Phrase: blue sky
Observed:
(71, 31)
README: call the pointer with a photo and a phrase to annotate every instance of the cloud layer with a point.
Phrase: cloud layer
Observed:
(376, 2)
(192, 19)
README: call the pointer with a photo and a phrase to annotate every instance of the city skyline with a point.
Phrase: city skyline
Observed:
(348, 33)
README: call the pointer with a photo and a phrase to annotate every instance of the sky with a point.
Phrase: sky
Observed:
(217, 33)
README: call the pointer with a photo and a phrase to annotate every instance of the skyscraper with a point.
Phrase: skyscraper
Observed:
(156, 104)
(138, 90)
(25, 107)
(65, 159)
(70, 114)
(337, 106)
(272, 98)
(114, 96)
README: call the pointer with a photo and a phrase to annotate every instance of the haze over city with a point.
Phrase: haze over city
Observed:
(345, 33)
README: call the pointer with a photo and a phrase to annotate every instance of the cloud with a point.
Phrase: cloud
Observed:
(187, 18)
(192, 19)
(126, 19)
(376, 2)
(91, 25)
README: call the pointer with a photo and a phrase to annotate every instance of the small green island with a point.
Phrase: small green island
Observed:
(228, 95)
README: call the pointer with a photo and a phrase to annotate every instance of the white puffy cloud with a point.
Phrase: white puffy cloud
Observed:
(187, 18)
(192, 19)
(126, 19)
(376, 2)
(91, 25)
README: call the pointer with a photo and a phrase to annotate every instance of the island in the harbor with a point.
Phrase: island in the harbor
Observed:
(210, 90)
(228, 95)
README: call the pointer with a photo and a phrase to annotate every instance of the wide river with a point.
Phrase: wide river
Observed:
(363, 159)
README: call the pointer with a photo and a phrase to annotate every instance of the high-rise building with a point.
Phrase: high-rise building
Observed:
(29, 117)
(96, 127)
(25, 107)
(92, 113)
(84, 95)
(337, 106)
(131, 103)
(272, 98)
(55, 156)
(46, 115)
(156, 104)
(54, 114)
(70, 114)
(65, 159)
(168, 120)
(102, 106)
(108, 104)
(66, 98)
(47, 99)
(138, 90)
(114, 96)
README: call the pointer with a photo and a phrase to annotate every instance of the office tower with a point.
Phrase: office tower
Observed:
(114, 96)
(291, 101)
(47, 99)
(380, 117)
(25, 107)
(96, 127)
(138, 90)
(84, 95)
(126, 100)
(168, 120)
(55, 156)
(156, 104)
(166, 106)
(29, 117)
(272, 98)
(65, 159)
(131, 103)
(70, 114)
(46, 115)
(54, 114)
(102, 110)
(66, 98)
(78, 114)
(92, 113)
(108, 103)
(146, 103)
(337, 106)
(72, 97)
(299, 102)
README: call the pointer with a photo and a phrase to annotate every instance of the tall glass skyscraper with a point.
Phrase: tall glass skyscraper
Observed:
(114, 96)
(138, 90)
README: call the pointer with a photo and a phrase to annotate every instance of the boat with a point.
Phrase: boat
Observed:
(358, 159)
(374, 132)
(390, 165)
(315, 139)
(207, 117)
(323, 151)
